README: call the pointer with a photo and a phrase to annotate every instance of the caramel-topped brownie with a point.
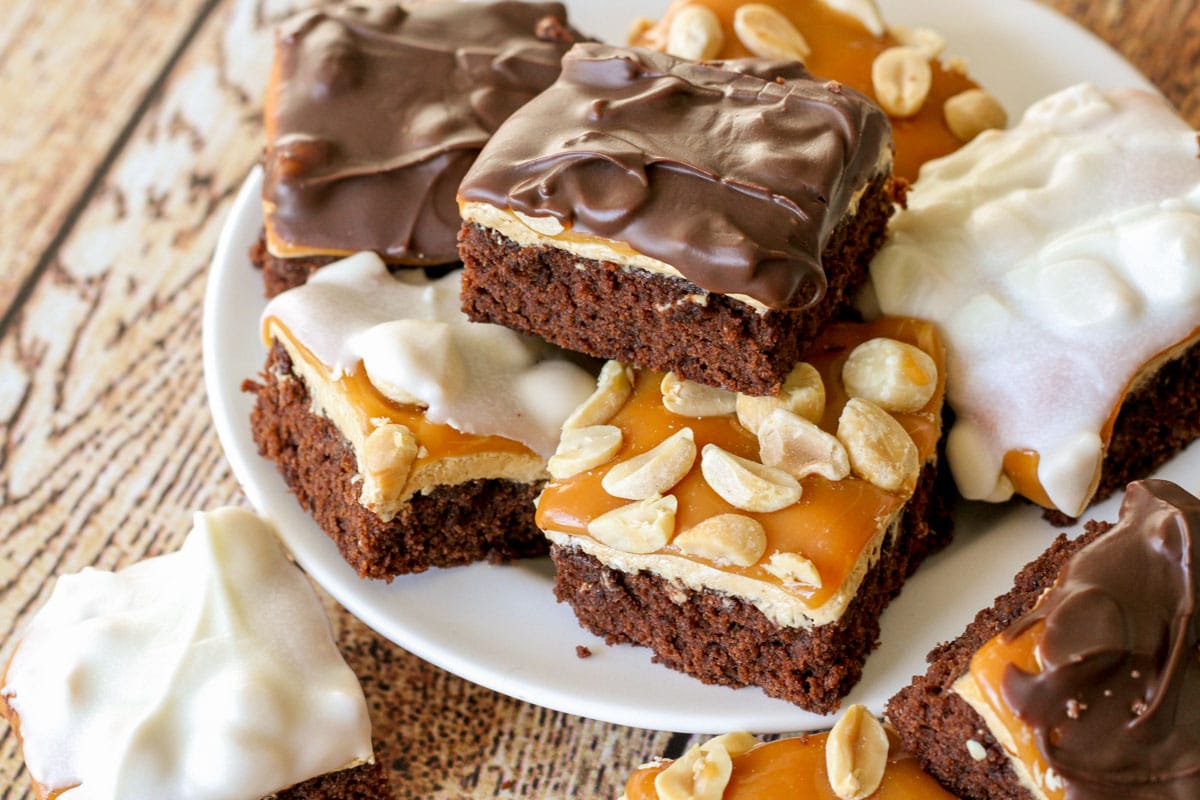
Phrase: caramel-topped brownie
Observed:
(414, 437)
(754, 540)
(373, 114)
(209, 673)
(704, 219)
(934, 107)
(1082, 683)
(859, 758)
(1061, 260)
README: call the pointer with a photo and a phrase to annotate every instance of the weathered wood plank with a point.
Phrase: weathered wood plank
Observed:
(1162, 39)
(73, 76)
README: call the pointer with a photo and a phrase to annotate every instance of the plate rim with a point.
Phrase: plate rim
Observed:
(362, 598)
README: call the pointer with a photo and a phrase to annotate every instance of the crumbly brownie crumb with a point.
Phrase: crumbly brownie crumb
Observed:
(654, 321)
(725, 640)
(935, 723)
(479, 520)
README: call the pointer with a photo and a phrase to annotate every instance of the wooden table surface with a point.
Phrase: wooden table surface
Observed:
(128, 126)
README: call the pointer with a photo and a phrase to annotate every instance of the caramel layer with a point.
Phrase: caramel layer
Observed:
(843, 49)
(832, 524)
(988, 666)
(795, 768)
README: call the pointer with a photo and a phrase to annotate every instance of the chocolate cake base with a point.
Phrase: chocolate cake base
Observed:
(726, 640)
(365, 782)
(935, 723)
(1156, 421)
(452, 525)
(652, 321)
(281, 274)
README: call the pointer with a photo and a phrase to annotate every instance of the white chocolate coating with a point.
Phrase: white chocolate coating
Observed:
(1060, 260)
(418, 348)
(207, 674)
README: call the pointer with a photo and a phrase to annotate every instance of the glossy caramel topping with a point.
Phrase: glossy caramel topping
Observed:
(1099, 685)
(374, 114)
(370, 406)
(832, 523)
(734, 174)
(843, 49)
(789, 769)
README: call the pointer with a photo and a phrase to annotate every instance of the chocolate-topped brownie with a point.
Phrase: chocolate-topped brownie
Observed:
(705, 219)
(1082, 682)
(374, 113)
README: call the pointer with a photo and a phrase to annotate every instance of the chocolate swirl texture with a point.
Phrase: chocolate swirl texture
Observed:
(733, 173)
(375, 113)
(1116, 707)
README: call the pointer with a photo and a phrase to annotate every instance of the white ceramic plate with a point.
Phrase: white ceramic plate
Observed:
(500, 626)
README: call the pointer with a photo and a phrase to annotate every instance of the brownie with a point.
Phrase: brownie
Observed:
(440, 529)
(727, 641)
(767, 534)
(651, 320)
(1157, 420)
(934, 722)
(1059, 318)
(705, 219)
(1086, 666)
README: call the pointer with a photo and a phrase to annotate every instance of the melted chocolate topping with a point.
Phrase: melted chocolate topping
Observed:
(375, 113)
(734, 173)
(1116, 708)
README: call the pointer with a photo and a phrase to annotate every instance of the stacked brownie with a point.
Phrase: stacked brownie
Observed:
(415, 439)
(702, 219)
(752, 481)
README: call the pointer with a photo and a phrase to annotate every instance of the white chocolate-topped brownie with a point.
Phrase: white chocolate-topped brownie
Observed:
(415, 437)
(754, 540)
(209, 673)
(1061, 260)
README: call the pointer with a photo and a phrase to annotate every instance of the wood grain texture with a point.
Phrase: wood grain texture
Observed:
(75, 74)
(129, 128)
(1161, 38)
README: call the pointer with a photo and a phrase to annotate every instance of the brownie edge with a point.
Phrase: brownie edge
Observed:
(725, 640)
(935, 723)
(452, 525)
